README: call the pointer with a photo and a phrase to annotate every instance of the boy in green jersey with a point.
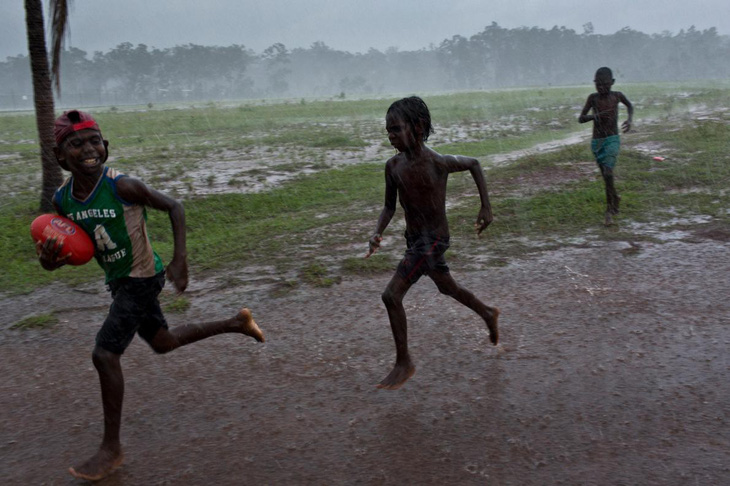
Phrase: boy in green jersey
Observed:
(111, 208)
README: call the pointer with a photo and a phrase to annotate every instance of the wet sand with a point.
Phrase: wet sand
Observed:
(612, 370)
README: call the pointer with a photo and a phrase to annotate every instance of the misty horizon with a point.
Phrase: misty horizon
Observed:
(344, 25)
(586, 29)
(496, 57)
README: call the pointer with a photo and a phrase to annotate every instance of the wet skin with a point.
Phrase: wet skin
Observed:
(604, 105)
(83, 153)
(417, 177)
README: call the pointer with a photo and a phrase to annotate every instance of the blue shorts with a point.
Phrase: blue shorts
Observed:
(606, 150)
(135, 309)
(424, 254)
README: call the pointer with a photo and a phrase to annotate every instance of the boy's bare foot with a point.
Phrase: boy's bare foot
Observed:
(398, 376)
(492, 325)
(249, 326)
(101, 464)
(608, 219)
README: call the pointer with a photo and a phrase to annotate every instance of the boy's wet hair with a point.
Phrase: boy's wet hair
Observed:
(604, 73)
(413, 110)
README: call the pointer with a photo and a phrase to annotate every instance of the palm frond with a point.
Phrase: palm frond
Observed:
(59, 24)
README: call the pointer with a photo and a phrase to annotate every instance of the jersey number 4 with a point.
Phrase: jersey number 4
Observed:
(103, 240)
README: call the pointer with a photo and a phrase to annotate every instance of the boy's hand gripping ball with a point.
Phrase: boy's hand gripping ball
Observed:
(75, 241)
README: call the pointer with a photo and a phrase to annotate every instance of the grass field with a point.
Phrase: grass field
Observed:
(296, 186)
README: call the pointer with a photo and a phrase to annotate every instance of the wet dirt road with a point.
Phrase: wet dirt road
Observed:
(612, 370)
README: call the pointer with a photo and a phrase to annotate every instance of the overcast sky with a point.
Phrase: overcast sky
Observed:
(348, 25)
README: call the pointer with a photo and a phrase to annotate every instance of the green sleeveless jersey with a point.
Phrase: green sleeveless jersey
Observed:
(117, 228)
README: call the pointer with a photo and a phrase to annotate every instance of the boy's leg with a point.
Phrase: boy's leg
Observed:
(393, 300)
(109, 456)
(166, 340)
(612, 198)
(448, 286)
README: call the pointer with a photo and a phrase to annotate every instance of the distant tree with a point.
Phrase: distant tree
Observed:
(277, 65)
(203, 71)
(15, 76)
(464, 61)
(42, 88)
(130, 69)
(356, 84)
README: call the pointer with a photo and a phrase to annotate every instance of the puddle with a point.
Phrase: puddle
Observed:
(540, 148)
(661, 232)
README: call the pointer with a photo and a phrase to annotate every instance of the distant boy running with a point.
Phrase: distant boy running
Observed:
(606, 140)
(111, 208)
(417, 177)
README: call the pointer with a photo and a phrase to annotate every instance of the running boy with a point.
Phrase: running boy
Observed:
(111, 208)
(417, 176)
(606, 140)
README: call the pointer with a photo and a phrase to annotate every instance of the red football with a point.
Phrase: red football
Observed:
(75, 241)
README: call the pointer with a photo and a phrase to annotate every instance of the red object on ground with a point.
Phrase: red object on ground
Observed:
(75, 241)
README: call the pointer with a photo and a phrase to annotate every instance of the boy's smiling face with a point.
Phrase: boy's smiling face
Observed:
(83, 153)
(400, 134)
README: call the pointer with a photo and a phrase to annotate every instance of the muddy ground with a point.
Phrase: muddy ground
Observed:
(612, 369)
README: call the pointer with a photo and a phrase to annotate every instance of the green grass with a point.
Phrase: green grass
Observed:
(174, 304)
(250, 227)
(317, 275)
(376, 264)
(41, 321)
(334, 210)
(204, 126)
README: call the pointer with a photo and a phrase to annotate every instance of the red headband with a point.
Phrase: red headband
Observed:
(63, 126)
(86, 124)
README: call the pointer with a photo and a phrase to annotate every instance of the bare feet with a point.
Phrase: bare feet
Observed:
(101, 464)
(249, 326)
(492, 325)
(398, 376)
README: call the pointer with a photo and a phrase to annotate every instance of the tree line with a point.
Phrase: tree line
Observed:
(493, 58)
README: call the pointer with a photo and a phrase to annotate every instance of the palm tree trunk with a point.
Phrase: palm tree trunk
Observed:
(43, 99)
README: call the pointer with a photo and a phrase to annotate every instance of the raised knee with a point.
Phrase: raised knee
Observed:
(163, 341)
(103, 359)
(390, 298)
(163, 348)
(449, 290)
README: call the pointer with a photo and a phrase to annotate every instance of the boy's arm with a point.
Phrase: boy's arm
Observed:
(391, 196)
(460, 163)
(584, 116)
(135, 191)
(626, 126)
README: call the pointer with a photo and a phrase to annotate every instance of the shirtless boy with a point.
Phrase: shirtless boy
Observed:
(606, 141)
(416, 176)
(111, 208)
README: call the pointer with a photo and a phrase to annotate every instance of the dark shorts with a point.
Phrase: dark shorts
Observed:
(135, 309)
(424, 254)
